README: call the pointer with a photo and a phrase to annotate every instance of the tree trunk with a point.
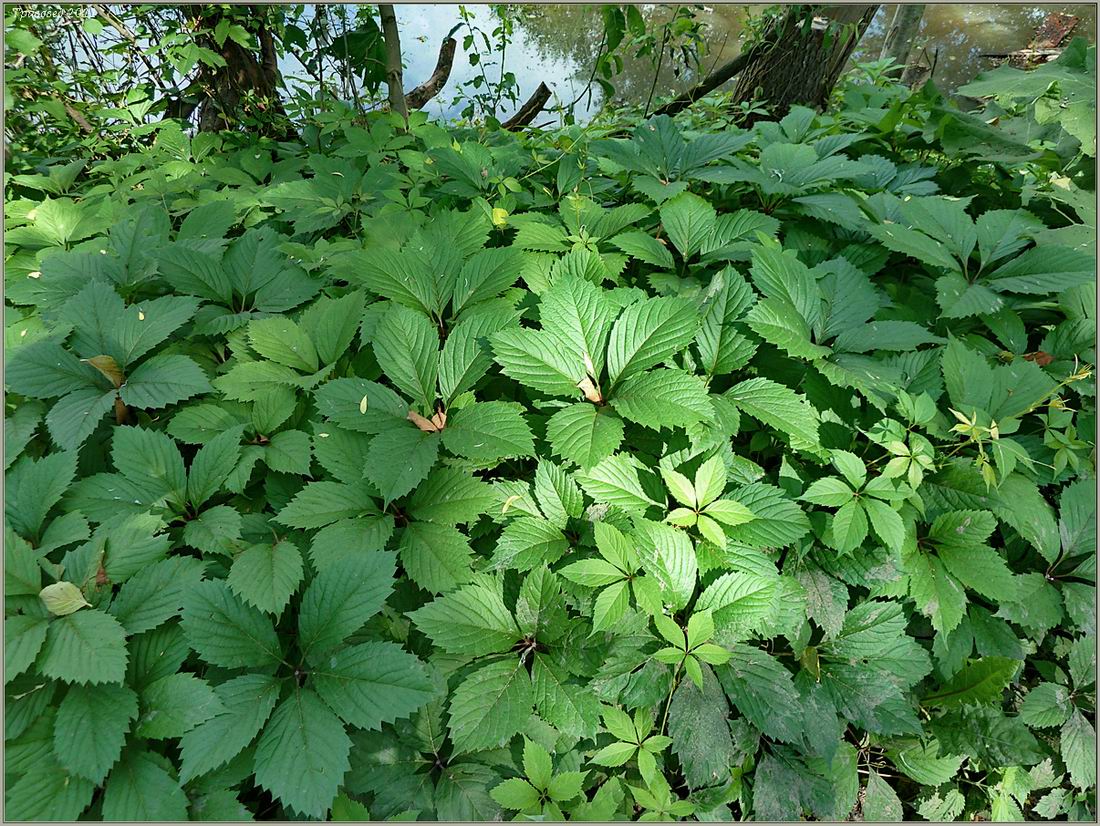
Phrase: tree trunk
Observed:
(248, 83)
(394, 80)
(902, 34)
(802, 62)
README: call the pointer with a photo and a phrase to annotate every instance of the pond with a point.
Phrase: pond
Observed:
(557, 44)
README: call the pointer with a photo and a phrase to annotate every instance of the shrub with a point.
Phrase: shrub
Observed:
(698, 472)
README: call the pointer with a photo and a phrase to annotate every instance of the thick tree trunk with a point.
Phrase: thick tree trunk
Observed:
(247, 81)
(901, 35)
(394, 80)
(801, 64)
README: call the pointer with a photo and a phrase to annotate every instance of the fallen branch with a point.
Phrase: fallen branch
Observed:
(529, 111)
(725, 72)
(418, 97)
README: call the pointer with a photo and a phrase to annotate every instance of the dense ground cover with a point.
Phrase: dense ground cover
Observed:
(664, 470)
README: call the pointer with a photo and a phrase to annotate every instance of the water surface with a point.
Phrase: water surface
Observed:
(557, 44)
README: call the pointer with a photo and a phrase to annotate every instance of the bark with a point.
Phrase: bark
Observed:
(418, 97)
(247, 80)
(394, 80)
(901, 35)
(530, 110)
(799, 65)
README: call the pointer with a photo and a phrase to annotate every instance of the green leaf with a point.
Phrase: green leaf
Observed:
(23, 639)
(472, 621)
(406, 345)
(340, 599)
(92, 723)
(302, 755)
(372, 683)
(740, 603)
(151, 460)
(163, 380)
(1046, 705)
(610, 605)
(538, 360)
(516, 794)
(850, 526)
(226, 632)
(156, 593)
(399, 459)
(980, 682)
(436, 557)
(666, 554)
(886, 521)
(528, 542)
(880, 801)
(584, 434)
(490, 706)
(663, 398)
(45, 370)
(645, 248)
(779, 407)
(698, 726)
(779, 323)
(141, 788)
(281, 340)
(86, 647)
(578, 315)
(936, 593)
(173, 705)
(289, 452)
(450, 496)
(322, 503)
(34, 486)
(247, 703)
(689, 220)
(487, 432)
(266, 576)
(761, 689)
(615, 480)
(484, 275)
(212, 465)
(47, 792)
(1078, 745)
(331, 324)
(647, 333)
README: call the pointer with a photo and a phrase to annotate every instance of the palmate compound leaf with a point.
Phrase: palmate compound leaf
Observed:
(372, 683)
(302, 754)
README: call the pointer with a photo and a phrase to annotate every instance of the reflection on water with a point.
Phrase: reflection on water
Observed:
(557, 44)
